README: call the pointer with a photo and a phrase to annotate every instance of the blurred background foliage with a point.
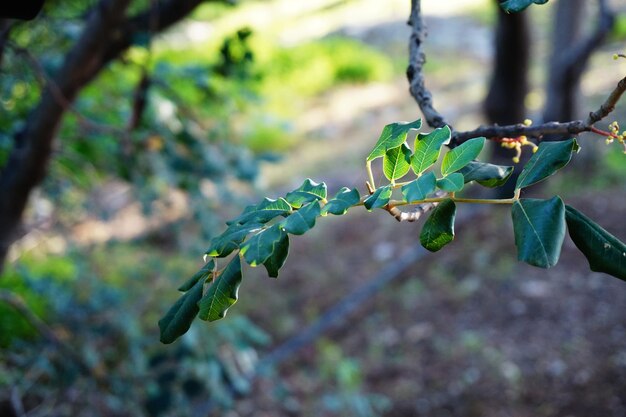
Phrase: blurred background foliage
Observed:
(237, 100)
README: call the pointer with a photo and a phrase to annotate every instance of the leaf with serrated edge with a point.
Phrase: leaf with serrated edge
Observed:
(278, 257)
(428, 148)
(397, 162)
(438, 230)
(202, 274)
(604, 252)
(179, 317)
(392, 136)
(263, 212)
(259, 247)
(539, 227)
(341, 202)
(300, 221)
(514, 6)
(222, 293)
(307, 192)
(549, 158)
(451, 183)
(380, 198)
(224, 244)
(487, 175)
(462, 155)
(419, 189)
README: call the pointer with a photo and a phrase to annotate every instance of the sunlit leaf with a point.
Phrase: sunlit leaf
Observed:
(419, 189)
(451, 183)
(224, 244)
(307, 192)
(259, 247)
(514, 6)
(392, 136)
(278, 257)
(539, 227)
(380, 198)
(428, 148)
(263, 212)
(222, 293)
(462, 155)
(179, 317)
(341, 202)
(300, 221)
(397, 162)
(605, 252)
(202, 274)
(438, 230)
(549, 158)
(487, 175)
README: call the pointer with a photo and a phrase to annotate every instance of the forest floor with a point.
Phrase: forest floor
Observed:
(465, 332)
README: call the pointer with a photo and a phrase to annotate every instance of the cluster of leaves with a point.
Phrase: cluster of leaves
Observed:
(260, 235)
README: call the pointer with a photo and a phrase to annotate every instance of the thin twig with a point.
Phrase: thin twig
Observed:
(414, 72)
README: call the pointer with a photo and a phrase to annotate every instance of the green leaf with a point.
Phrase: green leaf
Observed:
(202, 274)
(263, 212)
(438, 230)
(549, 158)
(397, 162)
(259, 247)
(179, 317)
(300, 221)
(419, 189)
(428, 148)
(392, 136)
(307, 192)
(514, 6)
(278, 257)
(222, 293)
(341, 202)
(380, 198)
(605, 252)
(224, 244)
(451, 183)
(487, 175)
(539, 227)
(462, 155)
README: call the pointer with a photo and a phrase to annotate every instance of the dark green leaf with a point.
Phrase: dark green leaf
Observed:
(300, 221)
(514, 6)
(428, 148)
(222, 293)
(392, 136)
(549, 158)
(259, 247)
(462, 155)
(419, 189)
(487, 175)
(180, 316)
(380, 198)
(397, 162)
(340, 204)
(224, 244)
(605, 252)
(451, 183)
(438, 230)
(307, 192)
(539, 227)
(263, 212)
(202, 274)
(278, 257)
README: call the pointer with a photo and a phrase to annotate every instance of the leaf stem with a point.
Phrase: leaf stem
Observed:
(368, 166)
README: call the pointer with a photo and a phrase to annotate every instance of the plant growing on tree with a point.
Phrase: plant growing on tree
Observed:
(261, 234)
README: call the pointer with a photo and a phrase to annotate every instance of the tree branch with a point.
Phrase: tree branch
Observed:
(414, 72)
